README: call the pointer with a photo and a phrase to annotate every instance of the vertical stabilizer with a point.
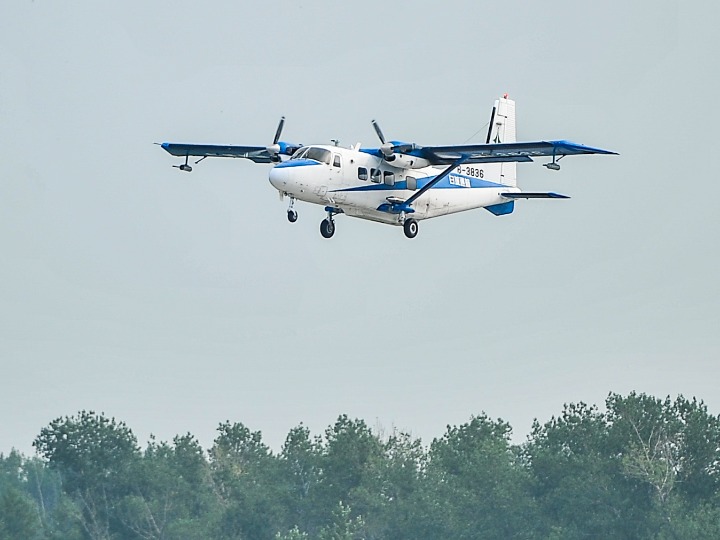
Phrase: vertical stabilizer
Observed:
(502, 130)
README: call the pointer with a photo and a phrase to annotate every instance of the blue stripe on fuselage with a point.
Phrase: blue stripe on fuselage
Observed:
(445, 183)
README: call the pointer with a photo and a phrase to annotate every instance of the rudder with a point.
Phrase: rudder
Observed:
(502, 130)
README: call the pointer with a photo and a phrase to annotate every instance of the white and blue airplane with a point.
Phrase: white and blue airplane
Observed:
(399, 183)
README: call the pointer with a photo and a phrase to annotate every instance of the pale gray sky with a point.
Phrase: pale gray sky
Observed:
(175, 301)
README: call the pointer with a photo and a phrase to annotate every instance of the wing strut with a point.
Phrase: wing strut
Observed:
(395, 206)
(434, 181)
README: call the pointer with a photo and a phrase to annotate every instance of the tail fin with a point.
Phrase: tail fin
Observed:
(502, 130)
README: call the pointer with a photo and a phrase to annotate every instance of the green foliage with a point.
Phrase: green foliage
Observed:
(300, 460)
(18, 516)
(170, 491)
(95, 457)
(475, 482)
(579, 482)
(343, 526)
(89, 450)
(643, 468)
(627, 472)
(250, 484)
(293, 534)
(11, 471)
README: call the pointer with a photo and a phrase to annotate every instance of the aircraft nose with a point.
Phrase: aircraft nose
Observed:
(278, 178)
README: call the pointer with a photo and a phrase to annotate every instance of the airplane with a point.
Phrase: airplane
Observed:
(399, 183)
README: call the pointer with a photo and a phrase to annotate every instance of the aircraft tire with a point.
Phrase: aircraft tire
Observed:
(327, 228)
(410, 227)
(292, 216)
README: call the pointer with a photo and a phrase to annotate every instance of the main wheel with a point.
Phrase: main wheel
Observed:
(411, 228)
(327, 228)
(292, 216)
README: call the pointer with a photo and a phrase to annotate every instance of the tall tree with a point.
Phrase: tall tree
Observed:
(94, 456)
(581, 486)
(171, 492)
(249, 482)
(350, 462)
(18, 516)
(671, 448)
(475, 484)
(301, 457)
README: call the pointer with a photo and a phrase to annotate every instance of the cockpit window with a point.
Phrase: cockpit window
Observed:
(318, 154)
(299, 153)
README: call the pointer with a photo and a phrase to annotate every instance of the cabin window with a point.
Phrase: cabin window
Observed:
(318, 154)
(389, 178)
(336, 160)
(362, 173)
(411, 182)
(376, 175)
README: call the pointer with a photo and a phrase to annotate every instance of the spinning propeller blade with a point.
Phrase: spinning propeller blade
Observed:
(274, 149)
(378, 131)
(279, 130)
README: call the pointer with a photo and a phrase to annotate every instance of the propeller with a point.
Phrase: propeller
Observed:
(378, 131)
(279, 130)
(274, 149)
(387, 148)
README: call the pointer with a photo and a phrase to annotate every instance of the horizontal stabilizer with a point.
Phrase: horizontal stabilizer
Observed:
(534, 195)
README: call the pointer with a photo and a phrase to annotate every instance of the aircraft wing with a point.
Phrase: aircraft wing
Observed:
(501, 152)
(258, 154)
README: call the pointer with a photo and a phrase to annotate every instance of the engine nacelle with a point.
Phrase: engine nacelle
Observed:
(405, 161)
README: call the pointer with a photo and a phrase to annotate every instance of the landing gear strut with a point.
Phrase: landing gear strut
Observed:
(410, 227)
(291, 212)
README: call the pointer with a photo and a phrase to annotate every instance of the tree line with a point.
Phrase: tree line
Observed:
(642, 467)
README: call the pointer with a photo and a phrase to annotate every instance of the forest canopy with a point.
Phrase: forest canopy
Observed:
(642, 467)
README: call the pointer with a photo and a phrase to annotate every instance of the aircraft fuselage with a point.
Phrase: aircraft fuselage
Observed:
(358, 183)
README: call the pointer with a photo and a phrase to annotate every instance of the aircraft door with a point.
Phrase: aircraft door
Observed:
(335, 179)
(336, 176)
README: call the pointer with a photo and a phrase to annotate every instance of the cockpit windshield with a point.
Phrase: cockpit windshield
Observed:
(314, 153)
(318, 154)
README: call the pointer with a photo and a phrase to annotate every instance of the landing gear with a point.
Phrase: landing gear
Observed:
(410, 227)
(291, 212)
(327, 227)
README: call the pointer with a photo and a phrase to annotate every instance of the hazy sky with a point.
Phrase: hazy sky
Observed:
(175, 301)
